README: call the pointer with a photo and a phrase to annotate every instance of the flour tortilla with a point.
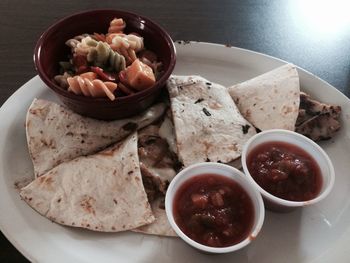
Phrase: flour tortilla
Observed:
(161, 225)
(208, 125)
(101, 192)
(167, 132)
(271, 100)
(158, 163)
(55, 134)
(158, 167)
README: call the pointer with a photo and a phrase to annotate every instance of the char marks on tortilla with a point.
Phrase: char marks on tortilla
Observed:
(271, 100)
(101, 192)
(208, 125)
(55, 134)
(317, 120)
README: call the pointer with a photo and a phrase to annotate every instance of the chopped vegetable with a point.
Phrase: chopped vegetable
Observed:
(103, 75)
(140, 76)
(200, 200)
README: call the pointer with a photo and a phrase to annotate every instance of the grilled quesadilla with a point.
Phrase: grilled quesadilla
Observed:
(317, 120)
(101, 192)
(55, 134)
(271, 100)
(159, 166)
(208, 125)
(161, 225)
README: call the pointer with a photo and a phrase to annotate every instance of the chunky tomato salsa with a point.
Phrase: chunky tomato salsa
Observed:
(285, 170)
(213, 210)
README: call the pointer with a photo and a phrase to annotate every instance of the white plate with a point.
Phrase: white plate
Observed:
(320, 233)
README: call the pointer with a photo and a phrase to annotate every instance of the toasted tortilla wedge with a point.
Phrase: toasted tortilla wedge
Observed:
(100, 192)
(159, 165)
(55, 134)
(161, 225)
(317, 120)
(271, 100)
(208, 125)
(167, 132)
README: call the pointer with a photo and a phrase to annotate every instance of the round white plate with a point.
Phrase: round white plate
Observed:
(319, 233)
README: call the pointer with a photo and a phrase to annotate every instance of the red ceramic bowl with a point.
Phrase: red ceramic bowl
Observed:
(51, 48)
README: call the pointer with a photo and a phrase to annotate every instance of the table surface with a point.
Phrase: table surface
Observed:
(318, 41)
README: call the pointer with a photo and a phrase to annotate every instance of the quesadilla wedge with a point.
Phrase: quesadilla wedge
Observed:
(159, 166)
(317, 120)
(271, 100)
(55, 134)
(161, 225)
(158, 162)
(208, 125)
(100, 192)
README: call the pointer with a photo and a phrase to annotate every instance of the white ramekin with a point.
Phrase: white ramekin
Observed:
(327, 170)
(223, 170)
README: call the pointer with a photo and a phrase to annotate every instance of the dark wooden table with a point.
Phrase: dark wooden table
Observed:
(311, 35)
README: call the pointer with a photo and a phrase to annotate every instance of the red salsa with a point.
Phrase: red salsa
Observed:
(213, 210)
(285, 170)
